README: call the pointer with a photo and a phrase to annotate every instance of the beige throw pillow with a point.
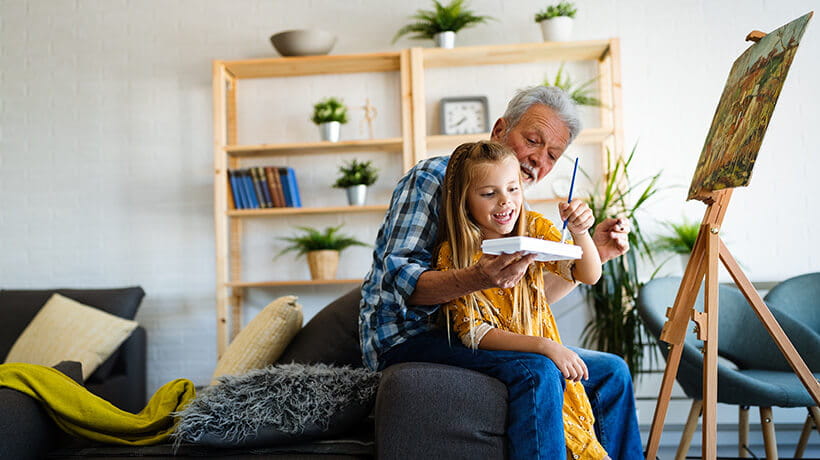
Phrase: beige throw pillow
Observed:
(66, 330)
(263, 340)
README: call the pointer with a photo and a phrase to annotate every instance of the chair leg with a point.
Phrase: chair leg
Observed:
(769, 439)
(689, 429)
(743, 431)
(812, 421)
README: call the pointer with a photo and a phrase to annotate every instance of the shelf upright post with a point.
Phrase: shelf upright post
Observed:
(609, 88)
(221, 81)
(418, 104)
(408, 157)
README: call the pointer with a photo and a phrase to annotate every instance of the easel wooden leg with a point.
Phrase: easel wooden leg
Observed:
(710, 345)
(804, 437)
(689, 429)
(769, 439)
(743, 431)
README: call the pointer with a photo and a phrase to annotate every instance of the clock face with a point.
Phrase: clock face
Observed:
(464, 115)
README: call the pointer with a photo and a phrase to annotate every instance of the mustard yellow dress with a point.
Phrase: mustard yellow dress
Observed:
(577, 412)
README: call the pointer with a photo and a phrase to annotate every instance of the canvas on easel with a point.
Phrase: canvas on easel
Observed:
(727, 161)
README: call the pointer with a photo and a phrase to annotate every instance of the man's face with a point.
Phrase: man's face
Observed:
(539, 139)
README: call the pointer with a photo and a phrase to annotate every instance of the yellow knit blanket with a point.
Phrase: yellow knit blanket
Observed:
(83, 414)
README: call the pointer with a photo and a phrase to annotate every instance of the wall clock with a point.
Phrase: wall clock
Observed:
(464, 115)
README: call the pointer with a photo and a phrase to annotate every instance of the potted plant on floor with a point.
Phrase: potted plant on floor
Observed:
(321, 248)
(580, 94)
(556, 21)
(329, 114)
(680, 240)
(441, 24)
(355, 177)
(615, 326)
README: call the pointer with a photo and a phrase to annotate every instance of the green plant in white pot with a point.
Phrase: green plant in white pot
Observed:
(330, 114)
(441, 24)
(556, 21)
(355, 177)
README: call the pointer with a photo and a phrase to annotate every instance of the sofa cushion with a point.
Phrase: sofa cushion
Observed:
(331, 336)
(65, 329)
(18, 307)
(284, 403)
(261, 342)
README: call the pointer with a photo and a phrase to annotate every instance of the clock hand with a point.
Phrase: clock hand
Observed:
(463, 119)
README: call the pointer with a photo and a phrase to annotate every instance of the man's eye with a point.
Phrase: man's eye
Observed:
(531, 141)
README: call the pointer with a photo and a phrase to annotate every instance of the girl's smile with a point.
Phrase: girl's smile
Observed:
(494, 199)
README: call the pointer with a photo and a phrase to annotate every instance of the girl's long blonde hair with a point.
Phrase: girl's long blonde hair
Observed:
(460, 231)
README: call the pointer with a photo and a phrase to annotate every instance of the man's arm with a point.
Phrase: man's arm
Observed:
(504, 271)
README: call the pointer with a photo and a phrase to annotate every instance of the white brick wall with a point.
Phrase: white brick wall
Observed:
(105, 139)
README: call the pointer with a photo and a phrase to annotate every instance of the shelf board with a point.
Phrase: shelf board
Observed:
(514, 53)
(295, 211)
(449, 141)
(292, 283)
(306, 148)
(312, 65)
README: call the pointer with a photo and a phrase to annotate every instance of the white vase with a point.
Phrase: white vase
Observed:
(356, 195)
(684, 260)
(446, 39)
(557, 29)
(330, 131)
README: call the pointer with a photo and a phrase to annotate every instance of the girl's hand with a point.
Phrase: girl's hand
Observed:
(502, 271)
(578, 216)
(568, 362)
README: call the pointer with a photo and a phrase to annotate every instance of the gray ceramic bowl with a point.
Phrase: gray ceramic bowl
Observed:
(303, 42)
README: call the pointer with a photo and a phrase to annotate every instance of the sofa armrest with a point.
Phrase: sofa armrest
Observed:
(126, 386)
(428, 410)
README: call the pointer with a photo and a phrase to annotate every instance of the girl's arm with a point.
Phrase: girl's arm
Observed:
(567, 361)
(579, 220)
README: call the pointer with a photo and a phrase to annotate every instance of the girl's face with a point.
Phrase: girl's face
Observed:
(494, 198)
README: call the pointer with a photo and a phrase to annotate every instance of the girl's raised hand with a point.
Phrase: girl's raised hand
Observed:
(578, 216)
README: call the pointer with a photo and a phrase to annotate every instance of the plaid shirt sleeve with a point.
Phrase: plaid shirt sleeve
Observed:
(403, 252)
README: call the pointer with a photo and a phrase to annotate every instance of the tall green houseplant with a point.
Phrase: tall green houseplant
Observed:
(615, 326)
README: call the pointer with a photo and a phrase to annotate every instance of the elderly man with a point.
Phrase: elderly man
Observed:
(401, 294)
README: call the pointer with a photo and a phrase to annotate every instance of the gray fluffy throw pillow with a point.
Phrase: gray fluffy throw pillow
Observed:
(282, 403)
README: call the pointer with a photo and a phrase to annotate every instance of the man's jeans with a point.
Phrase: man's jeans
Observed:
(536, 394)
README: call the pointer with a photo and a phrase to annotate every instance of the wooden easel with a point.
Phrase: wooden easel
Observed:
(703, 263)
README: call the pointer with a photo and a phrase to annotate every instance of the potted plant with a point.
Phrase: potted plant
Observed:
(321, 248)
(580, 94)
(329, 114)
(680, 239)
(556, 21)
(442, 24)
(355, 177)
(615, 326)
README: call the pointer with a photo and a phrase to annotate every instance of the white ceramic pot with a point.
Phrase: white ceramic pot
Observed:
(330, 131)
(557, 29)
(356, 195)
(446, 39)
(684, 261)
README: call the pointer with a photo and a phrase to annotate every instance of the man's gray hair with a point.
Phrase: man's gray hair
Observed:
(551, 96)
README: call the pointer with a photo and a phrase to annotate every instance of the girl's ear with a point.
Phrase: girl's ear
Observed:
(498, 129)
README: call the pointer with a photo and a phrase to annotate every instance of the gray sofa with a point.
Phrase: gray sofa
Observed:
(421, 410)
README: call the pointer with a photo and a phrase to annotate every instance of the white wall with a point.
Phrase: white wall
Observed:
(106, 139)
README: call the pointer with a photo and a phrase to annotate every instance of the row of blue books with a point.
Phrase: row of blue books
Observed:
(264, 187)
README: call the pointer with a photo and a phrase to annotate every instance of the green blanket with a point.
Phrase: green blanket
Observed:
(83, 414)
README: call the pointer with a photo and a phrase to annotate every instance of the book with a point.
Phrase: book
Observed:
(275, 187)
(293, 187)
(257, 188)
(237, 198)
(250, 191)
(545, 250)
(263, 184)
(283, 179)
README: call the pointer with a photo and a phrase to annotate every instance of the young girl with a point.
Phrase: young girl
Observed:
(482, 199)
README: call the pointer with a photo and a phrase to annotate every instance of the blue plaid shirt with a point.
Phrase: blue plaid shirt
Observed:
(404, 250)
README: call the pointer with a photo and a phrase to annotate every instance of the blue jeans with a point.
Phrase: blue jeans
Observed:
(535, 389)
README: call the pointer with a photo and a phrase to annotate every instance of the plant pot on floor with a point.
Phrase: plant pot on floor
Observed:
(446, 39)
(323, 264)
(330, 131)
(356, 195)
(557, 29)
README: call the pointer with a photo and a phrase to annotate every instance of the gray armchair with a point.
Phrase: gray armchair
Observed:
(755, 373)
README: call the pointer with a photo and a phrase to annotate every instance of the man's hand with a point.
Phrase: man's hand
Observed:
(503, 271)
(611, 237)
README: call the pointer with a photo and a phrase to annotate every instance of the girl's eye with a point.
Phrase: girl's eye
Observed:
(487, 194)
(513, 189)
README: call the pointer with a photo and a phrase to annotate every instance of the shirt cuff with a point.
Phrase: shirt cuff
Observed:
(480, 331)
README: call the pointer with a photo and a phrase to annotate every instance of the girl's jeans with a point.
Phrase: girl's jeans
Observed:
(536, 394)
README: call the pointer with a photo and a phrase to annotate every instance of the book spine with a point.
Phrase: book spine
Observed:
(294, 188)
(240, 189)
(236, 203)
(283, 179)
(257, 188)
(250, 192)
(275, 187)
(263, 183)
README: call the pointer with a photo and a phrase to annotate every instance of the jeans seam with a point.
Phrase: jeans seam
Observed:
(531, 382)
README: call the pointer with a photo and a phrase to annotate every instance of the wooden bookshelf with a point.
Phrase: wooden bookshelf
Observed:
(312, 148)
(260, 284)
(267, 212)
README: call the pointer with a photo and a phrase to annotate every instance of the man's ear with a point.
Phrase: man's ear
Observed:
(498, 129)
